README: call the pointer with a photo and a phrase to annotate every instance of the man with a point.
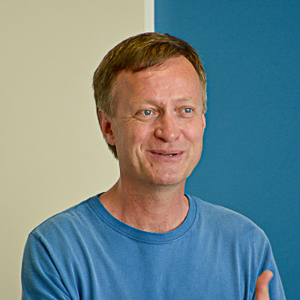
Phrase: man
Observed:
(144, 238)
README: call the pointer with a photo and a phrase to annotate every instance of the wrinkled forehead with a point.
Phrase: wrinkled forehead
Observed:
(178, 64)
(176, 78)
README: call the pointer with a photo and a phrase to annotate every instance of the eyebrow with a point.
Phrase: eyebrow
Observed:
(154, 102)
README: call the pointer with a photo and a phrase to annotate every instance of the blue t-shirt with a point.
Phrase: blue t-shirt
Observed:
(85, 253)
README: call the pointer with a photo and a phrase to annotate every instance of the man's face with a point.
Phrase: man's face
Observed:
(158, 124)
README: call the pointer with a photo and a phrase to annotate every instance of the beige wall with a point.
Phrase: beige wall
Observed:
(52, 152)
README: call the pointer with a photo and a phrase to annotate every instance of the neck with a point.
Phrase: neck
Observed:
(160, 209)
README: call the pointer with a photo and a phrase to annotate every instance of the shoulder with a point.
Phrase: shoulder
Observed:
(227, 222)
(62, 224)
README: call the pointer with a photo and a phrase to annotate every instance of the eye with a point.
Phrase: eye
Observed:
(147, 112)
(187, 110)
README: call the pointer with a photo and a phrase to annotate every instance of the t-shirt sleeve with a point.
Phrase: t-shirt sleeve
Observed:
(40, 277)
(268, 263)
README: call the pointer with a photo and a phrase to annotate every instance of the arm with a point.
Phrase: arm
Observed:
(268, 282)
(40, 277)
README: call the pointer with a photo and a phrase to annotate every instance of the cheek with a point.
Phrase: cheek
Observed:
(194, 133)
(139, 137)
(136, 137)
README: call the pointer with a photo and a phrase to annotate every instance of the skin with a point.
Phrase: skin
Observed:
(262, 286)
(158, 131)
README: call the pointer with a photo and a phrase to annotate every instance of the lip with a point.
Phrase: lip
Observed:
(166, 155)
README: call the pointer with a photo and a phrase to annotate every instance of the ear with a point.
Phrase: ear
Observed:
(203, 121)
(106, 127)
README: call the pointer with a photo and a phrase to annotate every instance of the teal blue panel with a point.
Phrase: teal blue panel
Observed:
(251, 157)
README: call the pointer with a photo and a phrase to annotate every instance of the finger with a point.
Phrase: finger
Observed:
(262, 285)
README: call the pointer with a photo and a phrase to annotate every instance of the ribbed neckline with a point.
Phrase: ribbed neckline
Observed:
(144, 236)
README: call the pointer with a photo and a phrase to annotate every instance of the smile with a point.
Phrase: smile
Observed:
(167, 154)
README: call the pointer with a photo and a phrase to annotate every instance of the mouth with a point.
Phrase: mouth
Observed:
(167, 153)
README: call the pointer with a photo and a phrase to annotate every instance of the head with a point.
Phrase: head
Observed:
(136, 54)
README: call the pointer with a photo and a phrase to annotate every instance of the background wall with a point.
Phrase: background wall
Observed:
(52, 152)
(251, 152)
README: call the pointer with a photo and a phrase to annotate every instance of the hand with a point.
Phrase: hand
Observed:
(262, 285)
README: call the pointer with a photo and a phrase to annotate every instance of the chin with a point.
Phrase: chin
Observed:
(169, 180)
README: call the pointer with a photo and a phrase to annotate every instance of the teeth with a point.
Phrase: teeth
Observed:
(167, 154)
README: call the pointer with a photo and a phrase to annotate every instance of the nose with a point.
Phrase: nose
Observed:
(167, 128)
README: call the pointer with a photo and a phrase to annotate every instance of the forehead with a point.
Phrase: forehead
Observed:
(175, 75)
